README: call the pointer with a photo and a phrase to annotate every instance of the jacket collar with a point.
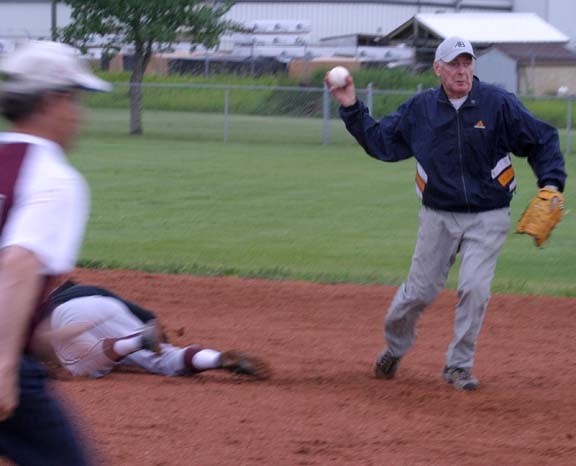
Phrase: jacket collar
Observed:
(472, 99)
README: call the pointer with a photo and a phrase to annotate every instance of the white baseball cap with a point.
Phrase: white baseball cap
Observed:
(451, 47)
(37, 66)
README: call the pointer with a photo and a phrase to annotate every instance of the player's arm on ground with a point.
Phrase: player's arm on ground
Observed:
(20, 283)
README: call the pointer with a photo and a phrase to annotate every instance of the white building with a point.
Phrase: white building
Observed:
(30, 19)
(323, 18)
(334, 18)
(518, 51)
(559, 13)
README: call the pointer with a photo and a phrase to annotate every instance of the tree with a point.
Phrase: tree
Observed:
(147, 26)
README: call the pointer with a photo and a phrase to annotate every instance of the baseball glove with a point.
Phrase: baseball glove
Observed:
(542, 214)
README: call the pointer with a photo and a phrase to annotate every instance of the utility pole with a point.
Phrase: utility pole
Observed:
(53, 14)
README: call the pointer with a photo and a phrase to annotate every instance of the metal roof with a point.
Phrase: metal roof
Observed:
(485, 28)
(550, 53)
(506, 5)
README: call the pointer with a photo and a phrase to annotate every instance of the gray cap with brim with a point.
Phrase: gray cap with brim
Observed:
(37, 66)
(451, 47)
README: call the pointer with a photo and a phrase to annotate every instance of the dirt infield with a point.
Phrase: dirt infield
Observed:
(322, 407)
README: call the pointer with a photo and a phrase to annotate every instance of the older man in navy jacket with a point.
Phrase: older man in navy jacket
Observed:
(461, 135)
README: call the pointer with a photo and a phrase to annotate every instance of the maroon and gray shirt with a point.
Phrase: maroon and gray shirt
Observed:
(44, 203)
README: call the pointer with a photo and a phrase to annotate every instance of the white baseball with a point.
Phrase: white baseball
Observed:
(337, 76)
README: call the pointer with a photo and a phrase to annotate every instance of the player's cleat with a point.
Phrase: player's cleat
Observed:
(243, 364)
(386, 365)
(459, 378)
(151, 336)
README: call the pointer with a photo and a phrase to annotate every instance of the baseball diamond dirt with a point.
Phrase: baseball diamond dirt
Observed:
(323, 407)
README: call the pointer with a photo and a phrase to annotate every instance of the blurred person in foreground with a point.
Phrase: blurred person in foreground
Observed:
(44, 205)
(461, 134)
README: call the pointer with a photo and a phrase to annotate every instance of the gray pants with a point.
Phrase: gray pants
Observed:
(478, 237)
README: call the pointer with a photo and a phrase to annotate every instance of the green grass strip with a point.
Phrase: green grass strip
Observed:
(176, 203)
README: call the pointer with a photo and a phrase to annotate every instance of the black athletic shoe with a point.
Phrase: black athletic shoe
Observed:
(386, 365)
(244, 364)
(459, 378)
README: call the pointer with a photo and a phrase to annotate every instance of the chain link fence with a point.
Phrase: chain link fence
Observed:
(266, 114)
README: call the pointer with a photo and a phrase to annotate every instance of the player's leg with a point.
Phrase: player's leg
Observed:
(173, 360)
(115, 333)
(483, 240)
(39, 433)
(193, 359)
(170, 361)
(435, 251)
(198, 359)
(148, 337)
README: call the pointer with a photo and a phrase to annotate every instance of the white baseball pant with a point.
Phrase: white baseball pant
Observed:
(84, 354)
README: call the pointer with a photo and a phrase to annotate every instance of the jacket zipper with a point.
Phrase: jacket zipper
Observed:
(461, 159)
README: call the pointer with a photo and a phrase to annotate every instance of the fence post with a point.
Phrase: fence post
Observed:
(369, 98)
(206, 65)
(569, 109)
(226, 111)
(325, 116)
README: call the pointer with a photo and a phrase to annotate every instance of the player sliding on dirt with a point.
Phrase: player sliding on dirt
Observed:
(91, 330)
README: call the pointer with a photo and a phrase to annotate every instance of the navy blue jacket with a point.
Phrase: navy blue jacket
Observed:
(463, 155)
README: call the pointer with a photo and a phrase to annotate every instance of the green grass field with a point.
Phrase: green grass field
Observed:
(189, 127)
(274, 203)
